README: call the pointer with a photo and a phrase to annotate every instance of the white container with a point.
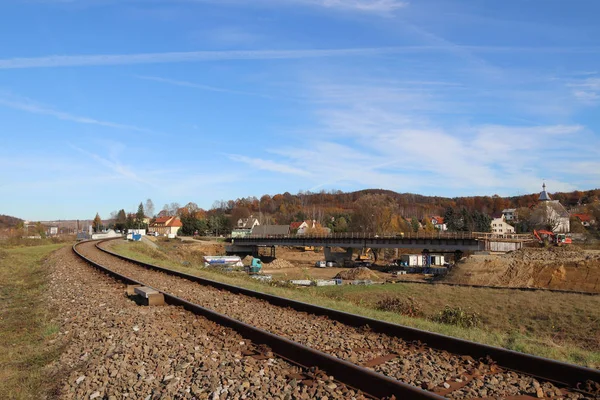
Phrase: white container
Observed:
(326, 282)
(412, 260)
(302, 282)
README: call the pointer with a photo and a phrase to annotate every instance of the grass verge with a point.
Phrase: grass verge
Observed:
(25, 325)
(552, 325)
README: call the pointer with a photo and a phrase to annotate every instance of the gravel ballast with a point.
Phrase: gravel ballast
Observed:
(416, 365)
(116, 349)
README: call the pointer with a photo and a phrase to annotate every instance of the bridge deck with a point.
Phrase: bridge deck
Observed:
(435, 241)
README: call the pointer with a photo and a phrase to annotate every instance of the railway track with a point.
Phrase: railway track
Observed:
(443, 366)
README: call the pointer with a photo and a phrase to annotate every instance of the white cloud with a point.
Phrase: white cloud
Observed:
(200, 86)
(587, 91)
(383, 136)
(31, 107)
(190, 56)
(269, 165)
(198, 56)
(377, 6)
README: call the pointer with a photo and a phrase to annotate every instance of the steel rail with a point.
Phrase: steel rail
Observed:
(561, 373)
(354, 376)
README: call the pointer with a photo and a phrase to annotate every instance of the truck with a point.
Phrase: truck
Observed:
(255, 267)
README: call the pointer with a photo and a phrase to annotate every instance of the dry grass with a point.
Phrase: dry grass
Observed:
(25, 325)
(553, 325)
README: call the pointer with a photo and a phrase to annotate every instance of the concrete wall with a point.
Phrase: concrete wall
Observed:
(502, 246)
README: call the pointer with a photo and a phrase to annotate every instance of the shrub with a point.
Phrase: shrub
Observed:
(458, 316)
(405, 306)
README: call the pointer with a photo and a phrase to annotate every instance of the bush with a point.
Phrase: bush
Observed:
(407, 306)
(459, 317)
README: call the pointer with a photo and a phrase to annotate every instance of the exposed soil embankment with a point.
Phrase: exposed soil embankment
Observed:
(566, 268)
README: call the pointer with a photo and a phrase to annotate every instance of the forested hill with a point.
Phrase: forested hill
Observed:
(6, 221)
(287, 207)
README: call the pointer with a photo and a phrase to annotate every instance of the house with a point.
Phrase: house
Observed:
(585, 219)
(510, 214)
(247, 223)
(551, 214)
(271, 230)
(166, 225)
(438, 223)
(500, 226)
(301, 227)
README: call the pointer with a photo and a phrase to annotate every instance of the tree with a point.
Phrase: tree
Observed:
(149, 207)
(121, 220)
(374, 214)
(191, 225)
(139, 217)
(239, 213)
(97, 223)
(429, 226)
(414, 224)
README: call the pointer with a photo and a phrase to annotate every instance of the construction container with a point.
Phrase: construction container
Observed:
(412, 260)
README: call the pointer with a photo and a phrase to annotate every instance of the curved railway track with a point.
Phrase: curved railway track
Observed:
(388, 354)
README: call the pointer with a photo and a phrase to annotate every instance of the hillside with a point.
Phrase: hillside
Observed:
(6, 221)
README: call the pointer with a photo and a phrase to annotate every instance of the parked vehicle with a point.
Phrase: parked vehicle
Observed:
(321, 264)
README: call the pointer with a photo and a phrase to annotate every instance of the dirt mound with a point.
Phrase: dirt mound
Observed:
(277, 263)
(567, 268)
(357, 273)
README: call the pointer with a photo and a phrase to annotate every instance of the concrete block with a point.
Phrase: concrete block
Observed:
(131, 289)
(144, 291)
(156, 299)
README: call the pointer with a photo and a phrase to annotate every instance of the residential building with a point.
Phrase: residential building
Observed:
(301, 227)
(166, 225)
(438, 223)
(500, 226)
(585, 219)
(247, 223)
(510, 214)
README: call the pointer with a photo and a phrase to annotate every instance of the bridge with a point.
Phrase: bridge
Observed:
(439, 242)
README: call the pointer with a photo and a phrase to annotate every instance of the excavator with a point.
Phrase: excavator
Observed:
(557, 239)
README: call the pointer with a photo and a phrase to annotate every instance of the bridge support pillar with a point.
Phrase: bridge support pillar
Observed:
(337, 256)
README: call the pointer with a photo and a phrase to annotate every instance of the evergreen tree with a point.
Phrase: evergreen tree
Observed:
(139, 217)
(121, 220)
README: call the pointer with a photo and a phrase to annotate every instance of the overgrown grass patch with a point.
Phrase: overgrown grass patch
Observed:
(25, 325)
(554, 325)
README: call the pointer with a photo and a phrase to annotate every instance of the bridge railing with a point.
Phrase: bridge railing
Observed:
(365, 235)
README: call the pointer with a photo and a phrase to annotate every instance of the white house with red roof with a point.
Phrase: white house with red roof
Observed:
(166, 225)
(438, 223)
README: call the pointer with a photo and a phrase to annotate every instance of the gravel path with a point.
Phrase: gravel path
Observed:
(417, 365)
(115, 349)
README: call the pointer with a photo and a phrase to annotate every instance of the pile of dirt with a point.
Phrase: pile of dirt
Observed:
(566, 268)
(357, 273)
(278, 263)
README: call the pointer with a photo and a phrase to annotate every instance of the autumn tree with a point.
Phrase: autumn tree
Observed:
(374, 214)
(97, 223)
(239, 213)
(414, 224)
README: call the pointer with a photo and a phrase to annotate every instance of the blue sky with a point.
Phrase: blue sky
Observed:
(106, 103)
